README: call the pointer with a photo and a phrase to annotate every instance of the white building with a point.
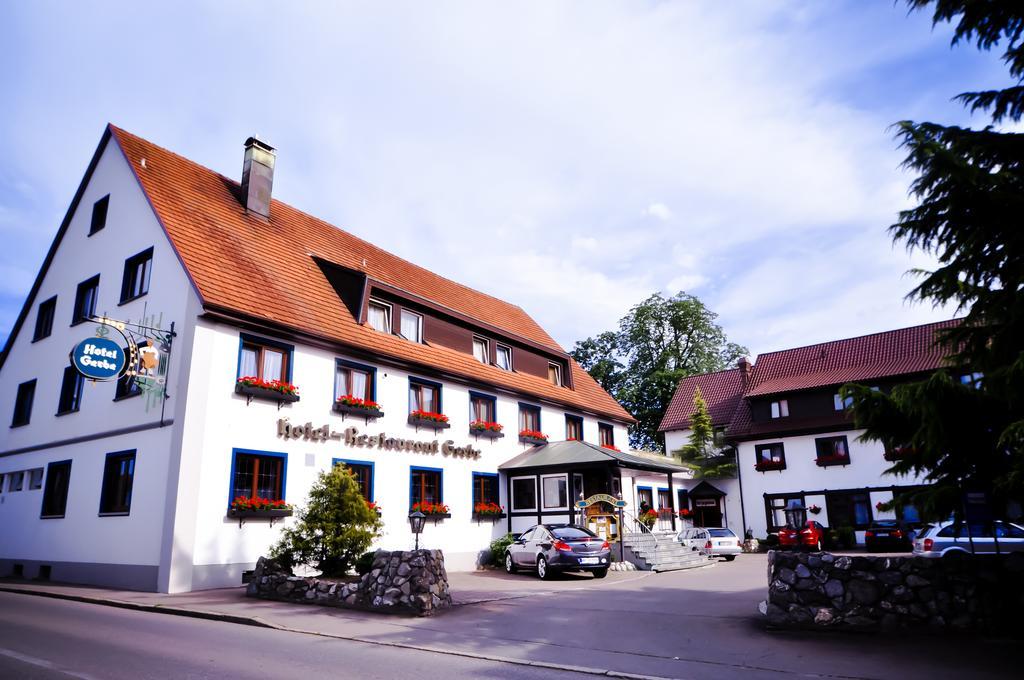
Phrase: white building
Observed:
(795, 441)
(109, 483)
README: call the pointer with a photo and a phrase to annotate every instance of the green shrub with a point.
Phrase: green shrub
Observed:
(334, 528)
(365, 563)
(498, 548)
(841, 538)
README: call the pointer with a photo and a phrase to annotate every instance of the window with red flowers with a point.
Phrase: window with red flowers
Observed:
(606, 435)
(485, 488)
(264, 359)
(258, 475)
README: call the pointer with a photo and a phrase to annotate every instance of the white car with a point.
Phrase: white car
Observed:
(950, 538)
(715, 541)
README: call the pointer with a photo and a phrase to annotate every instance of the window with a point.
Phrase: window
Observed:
(777, 506)
(606, 435)
(1, 482)
(378, 315)
(504, 357)
(481, 351)
(832, 448)
(772, 456)
(99, 214)
(118, 474)
(664, 499)
(529, 418)
(363, 472)
(412, 326)
(972, 380)
(258, 475)
(555, 374)
(848, 509)
(524, 493)
(135, 282)
(23, 403)
(555, 490)
(44, 319)
(644, 497)
(424, 396)
(264, 359)
(425, 486)
(683, 498)
(356, 380)
(485, 488)
(16, 481)
(780, 409)
(70, 391)
(482, 407)
(55, 495)
(573, 428)
(85, 300)
(841, 404)
(127, 386)
(35, 478)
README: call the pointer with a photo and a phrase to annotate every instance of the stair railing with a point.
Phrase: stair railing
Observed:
(635, 528)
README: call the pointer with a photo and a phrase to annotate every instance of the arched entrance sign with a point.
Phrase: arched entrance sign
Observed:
(607, 526)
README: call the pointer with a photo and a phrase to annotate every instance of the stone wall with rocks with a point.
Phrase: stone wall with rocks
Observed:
(399, 582)
(982, 592)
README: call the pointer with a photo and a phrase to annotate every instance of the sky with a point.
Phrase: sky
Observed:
(570, 157)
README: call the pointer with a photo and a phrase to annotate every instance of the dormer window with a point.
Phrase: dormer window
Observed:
(504, 357)
(378, 315)
(555, 374)
(780, 409)
(412, 326)
(480, 350)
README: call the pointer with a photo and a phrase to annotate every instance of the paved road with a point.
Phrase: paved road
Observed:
(55, 639)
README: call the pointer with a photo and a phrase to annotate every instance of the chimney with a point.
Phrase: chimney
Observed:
(257, 176)
(746, 368)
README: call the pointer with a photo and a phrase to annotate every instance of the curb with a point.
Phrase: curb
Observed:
(259, 623)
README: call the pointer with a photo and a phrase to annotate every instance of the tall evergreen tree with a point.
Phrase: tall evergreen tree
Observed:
(702, 454)
(970, 193)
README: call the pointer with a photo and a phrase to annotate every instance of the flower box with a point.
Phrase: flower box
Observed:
(437, 421)
(897, 453)
(533, 437)
(485, 429)
(256, 391)
(486, 434)
(685, 513)
(488, 517)
(357, 410)
(245, 514)
(769, 465)
(829, 461)
(488, 512)
(665, 513)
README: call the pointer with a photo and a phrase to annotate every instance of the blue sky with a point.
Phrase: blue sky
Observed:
(572, 158)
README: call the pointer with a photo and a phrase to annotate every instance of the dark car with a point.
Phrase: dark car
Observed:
(811, 535)
(551, 548)
(888, 535)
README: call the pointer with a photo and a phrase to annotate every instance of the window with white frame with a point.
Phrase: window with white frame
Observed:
(480, 350)
(411, 327)
(840, 403)
(378, 315)
(503, 356)
(554, 492)
(524, 493)
(555, 374)
(780, 409)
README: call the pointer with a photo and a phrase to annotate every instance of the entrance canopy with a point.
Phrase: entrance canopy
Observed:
(574, 453)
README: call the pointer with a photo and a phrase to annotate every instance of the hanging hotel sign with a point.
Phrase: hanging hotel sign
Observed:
(351, 437)
(99, 359)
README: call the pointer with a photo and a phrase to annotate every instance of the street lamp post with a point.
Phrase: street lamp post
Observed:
(416, 521)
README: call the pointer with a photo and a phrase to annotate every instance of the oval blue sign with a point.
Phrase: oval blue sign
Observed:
(98, 358)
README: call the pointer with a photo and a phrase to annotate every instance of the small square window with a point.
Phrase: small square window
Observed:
(573, 428)
(23, 403)
(70, 391)
(780, 409)
(55, 493)
(485, 488)
(480, 350)
(841, 404)
(363, 473)
(555, 490)
(481, 408)
(44, 319)
(16, 481)
(99, 214)
(264, 360)
(504, 357)
(135, 282)
(354, 380)
(606, 435)
(424, 396)
(524, 493)
(258, 476)
(85, 300)
(425, 486)
(118, 476)
(555, 374)
(127, 387)
(35, 478)
(378, 315)
(412, 326)
(529, 418)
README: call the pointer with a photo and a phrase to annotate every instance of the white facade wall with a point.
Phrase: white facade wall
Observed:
(83, 545)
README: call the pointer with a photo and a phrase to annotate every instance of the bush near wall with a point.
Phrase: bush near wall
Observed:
(984, 593)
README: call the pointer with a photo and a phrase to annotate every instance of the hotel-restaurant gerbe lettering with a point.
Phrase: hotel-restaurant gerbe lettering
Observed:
(380, 440)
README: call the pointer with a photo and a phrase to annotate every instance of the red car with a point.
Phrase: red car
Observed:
(811, 535)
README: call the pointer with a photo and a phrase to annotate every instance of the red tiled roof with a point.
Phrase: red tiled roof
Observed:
(721, 391)
(264, 269)
(868, 357)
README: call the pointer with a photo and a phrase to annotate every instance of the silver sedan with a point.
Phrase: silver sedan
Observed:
(716, 541)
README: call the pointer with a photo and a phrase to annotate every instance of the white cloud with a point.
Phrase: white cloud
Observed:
(659, 211)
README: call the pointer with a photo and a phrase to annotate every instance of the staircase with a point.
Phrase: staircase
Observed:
(660, 551)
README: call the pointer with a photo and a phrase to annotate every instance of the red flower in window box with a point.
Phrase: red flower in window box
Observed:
(488, 509)
(429, 509)
(349, 400)
(685, 512)
(485, 426)
(257, 504)
(429, 415)
(613, 447)
(648, 518)
(532, 436)
(763, 465)
(272, 385)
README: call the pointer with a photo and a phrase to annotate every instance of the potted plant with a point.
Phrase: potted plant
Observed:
(438, 421)
(648, 518)
(486, 429)
(434, 511)
(277, 390)
(254, 507)
(488, 511)
(355, 406)
(814, 509)
(532, 437)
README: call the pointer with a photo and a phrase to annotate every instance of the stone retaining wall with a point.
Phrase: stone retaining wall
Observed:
(399, 582)
(983, 593)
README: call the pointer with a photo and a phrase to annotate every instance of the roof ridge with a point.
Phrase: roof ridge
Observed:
(857, 337)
